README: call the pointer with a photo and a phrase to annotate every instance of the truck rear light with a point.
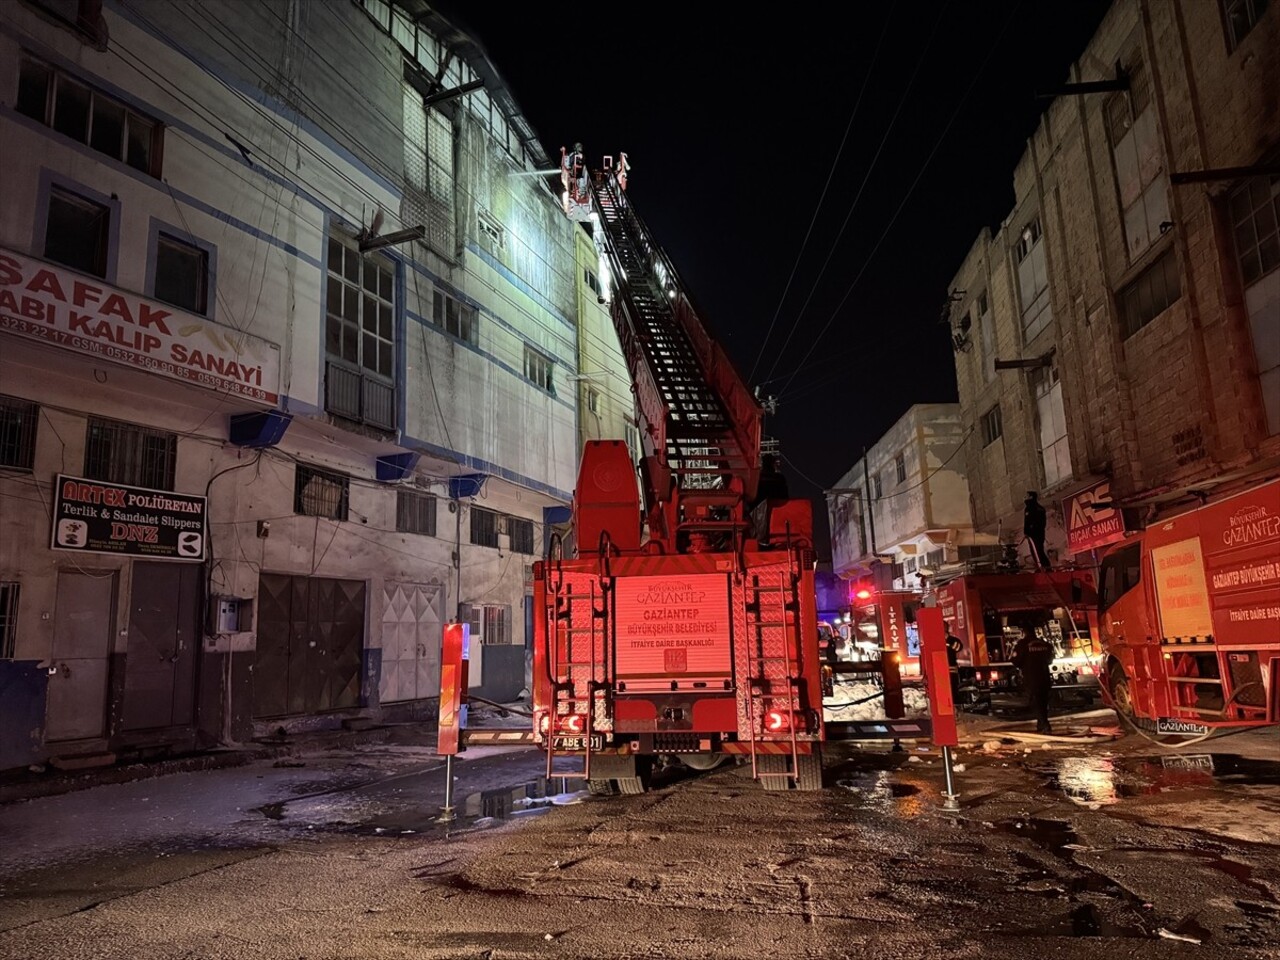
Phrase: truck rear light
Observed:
(978, 676)
(544, 723)
(995, 674)
(775, 721)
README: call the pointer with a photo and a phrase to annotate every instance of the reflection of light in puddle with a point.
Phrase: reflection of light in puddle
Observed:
(903, 798)
(1088, 780)
(534, 796)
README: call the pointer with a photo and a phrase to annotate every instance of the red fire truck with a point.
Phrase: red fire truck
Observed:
(680, 618)
(989, 612)
(1190, 613)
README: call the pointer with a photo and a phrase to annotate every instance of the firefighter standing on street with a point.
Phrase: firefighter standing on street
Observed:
(954, 646)
(1032, 655)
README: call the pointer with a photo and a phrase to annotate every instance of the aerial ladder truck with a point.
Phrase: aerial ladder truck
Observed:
(678, 615)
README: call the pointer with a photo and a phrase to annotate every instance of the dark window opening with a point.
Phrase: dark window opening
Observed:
(8, 619)
(182, 274)
(415, 513)
(17, 433)
(88, 116)
(454, 317)
(992, 426)
(1150, 294)
(77, 232)
(521, 535)
(484, 527)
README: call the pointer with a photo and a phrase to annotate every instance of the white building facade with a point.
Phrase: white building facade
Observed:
(901, 512)
(255, 448)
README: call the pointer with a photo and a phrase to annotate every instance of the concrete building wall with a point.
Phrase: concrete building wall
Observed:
(921, 513)
(1156, 398)
(284, 128)
(605, 402)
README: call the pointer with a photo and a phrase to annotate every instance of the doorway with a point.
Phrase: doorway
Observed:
(164, 630)
(83, 622)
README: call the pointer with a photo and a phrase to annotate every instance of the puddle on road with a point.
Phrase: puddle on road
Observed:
(348, 813)
(1099, 781)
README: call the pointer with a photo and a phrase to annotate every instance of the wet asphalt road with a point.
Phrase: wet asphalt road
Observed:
(1076, 852)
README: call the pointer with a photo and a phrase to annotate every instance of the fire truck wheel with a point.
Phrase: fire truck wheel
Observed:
(808, 774)
(1122, 696)
(703, 761)
(772, 765)
(809, 769)
(640, 782)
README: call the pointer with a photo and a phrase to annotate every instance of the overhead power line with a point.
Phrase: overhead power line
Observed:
(866, 178)
(835, 163)
(813, 345)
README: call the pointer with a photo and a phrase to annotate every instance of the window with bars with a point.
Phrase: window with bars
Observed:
(360, 336)
(538, 367)
(182, 274)
(77, 232)
(123, 453)
(454, 317)
(484, 527)
(318, 493)
(415, 513)
(1239, 17)
(877, 487)
(17, 433)
(900, 467)
(491, 622)
(935, 559)
(8, 619)
(88, 116)
(1149, 294)
(521, 535)
(992, 426)
(592, 281)
(428, 197)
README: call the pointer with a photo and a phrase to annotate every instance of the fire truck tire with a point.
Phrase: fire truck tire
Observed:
(809, 769)
(773, 764)
(631, 786)
(703, 761)
(808, 774)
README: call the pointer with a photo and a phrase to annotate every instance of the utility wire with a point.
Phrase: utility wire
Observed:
(910, 190)
(826, 186)
(866, 178)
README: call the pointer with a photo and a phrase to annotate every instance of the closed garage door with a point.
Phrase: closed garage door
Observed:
(310, 641)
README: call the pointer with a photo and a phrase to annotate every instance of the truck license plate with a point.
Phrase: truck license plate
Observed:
(1182, 727)
(578, 743)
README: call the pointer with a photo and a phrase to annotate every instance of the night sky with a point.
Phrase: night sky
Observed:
(732, 122)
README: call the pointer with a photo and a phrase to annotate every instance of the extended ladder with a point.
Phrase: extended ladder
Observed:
(699, 442)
